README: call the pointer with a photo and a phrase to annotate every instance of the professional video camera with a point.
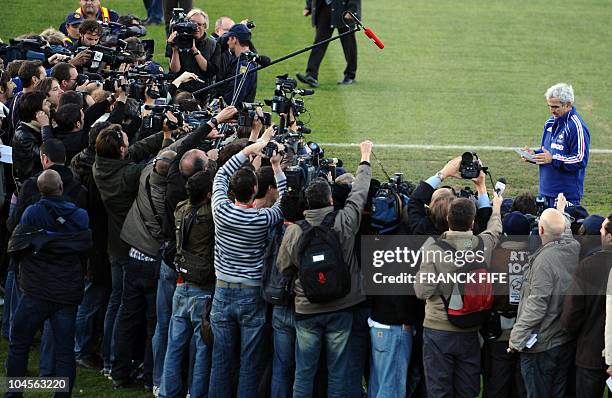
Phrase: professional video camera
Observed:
(139, 81)
(101, 56)
(470, 166)
(284, 97)
(196, 118)
(158, 116)
(247, 113)
(184, 29)
(31, 49)
(114, 31)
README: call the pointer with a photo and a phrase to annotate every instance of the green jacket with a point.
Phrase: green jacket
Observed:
(118, 181)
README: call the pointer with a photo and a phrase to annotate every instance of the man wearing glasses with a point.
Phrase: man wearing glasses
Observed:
(564, 152)
(202, 58)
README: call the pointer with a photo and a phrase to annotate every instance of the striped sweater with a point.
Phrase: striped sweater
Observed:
(241, 234)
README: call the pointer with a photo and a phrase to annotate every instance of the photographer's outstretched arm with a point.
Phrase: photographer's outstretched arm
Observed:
(350, 215)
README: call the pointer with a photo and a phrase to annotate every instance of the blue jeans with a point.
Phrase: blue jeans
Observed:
(187, 307)
(333, 330)
(237, 318)
(46, 365)
(29, 319)
(391, 349)
(283, 362)
(111, 312)
(546, 373)
(163, 308)
(155, 11)
(11, 300)
(358, 351)
(89, 315)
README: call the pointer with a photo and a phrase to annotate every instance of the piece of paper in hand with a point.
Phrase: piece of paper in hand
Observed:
(609, 383)
(532, 340)
(6, 154)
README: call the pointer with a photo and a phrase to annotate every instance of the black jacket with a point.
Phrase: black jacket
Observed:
(338, 8)
(584, 309)
(74, 142)
(26, 152)
(98, 265)
(418, 221)
(51, 264)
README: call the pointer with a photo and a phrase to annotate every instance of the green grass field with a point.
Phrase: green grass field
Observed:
(470, 73)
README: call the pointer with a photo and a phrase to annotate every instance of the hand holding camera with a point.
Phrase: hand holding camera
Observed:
(451, 169)
(81, 58)
(171, 38)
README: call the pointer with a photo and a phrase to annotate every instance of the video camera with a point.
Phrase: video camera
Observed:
(158, 116)
(113, 58)
(470, 166)
(139, 81)
(31, 49)
(284, 97)
(184, 28)
(112, 32)
(247, 113)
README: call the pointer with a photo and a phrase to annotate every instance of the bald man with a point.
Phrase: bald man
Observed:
(49, 183)
(546, 347)
(51, 265)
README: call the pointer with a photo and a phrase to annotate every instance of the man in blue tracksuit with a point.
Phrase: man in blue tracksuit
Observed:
(564, 152)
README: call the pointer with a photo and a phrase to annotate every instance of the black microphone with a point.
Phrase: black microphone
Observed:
(303, 91)
(500, 185)
(263, 60)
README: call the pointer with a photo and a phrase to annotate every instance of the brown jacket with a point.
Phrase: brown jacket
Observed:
(347, 225)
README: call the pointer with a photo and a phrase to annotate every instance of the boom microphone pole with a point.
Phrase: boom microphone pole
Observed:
(357, 27)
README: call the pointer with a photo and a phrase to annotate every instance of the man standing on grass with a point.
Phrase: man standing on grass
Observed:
(50, 245)
(564, 151)
(328, 15)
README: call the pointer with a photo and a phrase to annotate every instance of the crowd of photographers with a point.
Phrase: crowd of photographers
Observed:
(173, 236)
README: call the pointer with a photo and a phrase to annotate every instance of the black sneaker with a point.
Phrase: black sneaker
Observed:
(307, 79)
(346, 81)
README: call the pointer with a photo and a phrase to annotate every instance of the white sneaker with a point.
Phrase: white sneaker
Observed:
(155, 391)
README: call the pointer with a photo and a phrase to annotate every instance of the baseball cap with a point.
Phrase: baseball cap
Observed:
(516, 223)
(74, 18)
(240, 31)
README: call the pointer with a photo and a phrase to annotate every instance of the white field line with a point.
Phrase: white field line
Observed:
(441, 147)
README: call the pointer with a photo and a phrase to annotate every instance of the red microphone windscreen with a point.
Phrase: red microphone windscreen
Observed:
(368, 32)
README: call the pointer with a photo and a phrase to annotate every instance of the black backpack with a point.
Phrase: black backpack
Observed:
(323, 273)
(276, 288)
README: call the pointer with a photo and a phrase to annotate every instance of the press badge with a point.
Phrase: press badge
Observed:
(318, 258)
(243, 69)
